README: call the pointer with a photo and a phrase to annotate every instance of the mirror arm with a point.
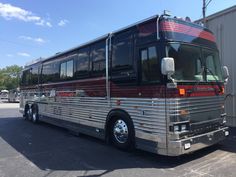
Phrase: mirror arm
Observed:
(169, 76)
(173, 84)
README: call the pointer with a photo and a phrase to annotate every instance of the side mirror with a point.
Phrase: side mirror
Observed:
(168, 66)
(225, 73)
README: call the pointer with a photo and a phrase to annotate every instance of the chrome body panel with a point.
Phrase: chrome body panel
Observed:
(151, 116)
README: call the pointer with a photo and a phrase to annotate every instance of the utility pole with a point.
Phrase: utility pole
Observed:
(205, 4)
(204, 12)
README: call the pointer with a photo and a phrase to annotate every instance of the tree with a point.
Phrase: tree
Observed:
(10, 77)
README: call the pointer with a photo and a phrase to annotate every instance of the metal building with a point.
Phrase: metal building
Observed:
(223, 25)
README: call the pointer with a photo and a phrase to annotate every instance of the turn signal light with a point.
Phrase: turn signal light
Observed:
(223, 90)
(182, 92)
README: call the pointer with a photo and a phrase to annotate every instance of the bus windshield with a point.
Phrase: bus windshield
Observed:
(194, 63)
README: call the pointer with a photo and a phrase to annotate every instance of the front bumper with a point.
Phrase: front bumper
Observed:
(184, 146)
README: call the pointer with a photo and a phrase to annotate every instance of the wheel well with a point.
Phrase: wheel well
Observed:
(111, 116)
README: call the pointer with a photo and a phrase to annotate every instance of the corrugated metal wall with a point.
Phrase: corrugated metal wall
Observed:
(224, 28)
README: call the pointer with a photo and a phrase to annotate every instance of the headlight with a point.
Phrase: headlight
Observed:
(176, 128)
(180, 127)
(183, 127)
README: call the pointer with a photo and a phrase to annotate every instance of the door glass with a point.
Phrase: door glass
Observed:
(150, 66)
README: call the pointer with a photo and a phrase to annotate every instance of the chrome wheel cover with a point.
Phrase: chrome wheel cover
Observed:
(120, 131)
(34, 117)
(29, 112)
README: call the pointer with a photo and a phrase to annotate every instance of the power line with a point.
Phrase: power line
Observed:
(208, 3)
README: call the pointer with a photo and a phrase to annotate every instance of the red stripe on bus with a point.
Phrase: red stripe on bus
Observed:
(188, 30)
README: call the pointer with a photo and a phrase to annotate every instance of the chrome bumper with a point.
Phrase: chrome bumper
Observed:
(184, 146)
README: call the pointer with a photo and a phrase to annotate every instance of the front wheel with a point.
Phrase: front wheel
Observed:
(122, 133)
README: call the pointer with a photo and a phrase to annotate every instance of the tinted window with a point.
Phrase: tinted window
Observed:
(122, 54)
(26, 77)
(63, 70)
(69, 68)
(34, 75)
(98, 58)
(66, 69)
(150, 65)
(82, 63)
(147, 32)
(50, 72)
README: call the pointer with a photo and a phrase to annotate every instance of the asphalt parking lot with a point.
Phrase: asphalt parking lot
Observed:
(45, 150)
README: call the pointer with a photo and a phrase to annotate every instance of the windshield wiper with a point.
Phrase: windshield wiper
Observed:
(216, 80)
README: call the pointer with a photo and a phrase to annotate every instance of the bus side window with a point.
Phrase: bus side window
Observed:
(98, 58)
(50, 72)
(26, 77)
(63, 70)
(82, 63)
(34, 75)
(123, 64)
(67, 69)
(150, 65)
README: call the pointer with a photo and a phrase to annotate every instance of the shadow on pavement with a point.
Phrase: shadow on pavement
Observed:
(51, 147)
(230, 143)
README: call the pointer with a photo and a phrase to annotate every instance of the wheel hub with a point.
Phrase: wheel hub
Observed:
(34, 116)
(120, 131)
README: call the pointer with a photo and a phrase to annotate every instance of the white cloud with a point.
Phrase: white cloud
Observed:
(9, 55)
(63, 22)
(44, 23)
(23, 54)
(37, 40)
(8, 12)
(48, 24)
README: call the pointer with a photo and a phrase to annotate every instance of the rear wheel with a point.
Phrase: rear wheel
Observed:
(27, 114)
(122, 132)
(34, 115)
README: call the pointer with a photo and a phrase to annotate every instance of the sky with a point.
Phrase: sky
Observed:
(30, 29)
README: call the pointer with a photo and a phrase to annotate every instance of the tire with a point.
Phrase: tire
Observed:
(34, 115)
(27, 115)
(122, 132)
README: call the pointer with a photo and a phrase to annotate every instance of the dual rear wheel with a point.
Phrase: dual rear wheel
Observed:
(31, 114)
